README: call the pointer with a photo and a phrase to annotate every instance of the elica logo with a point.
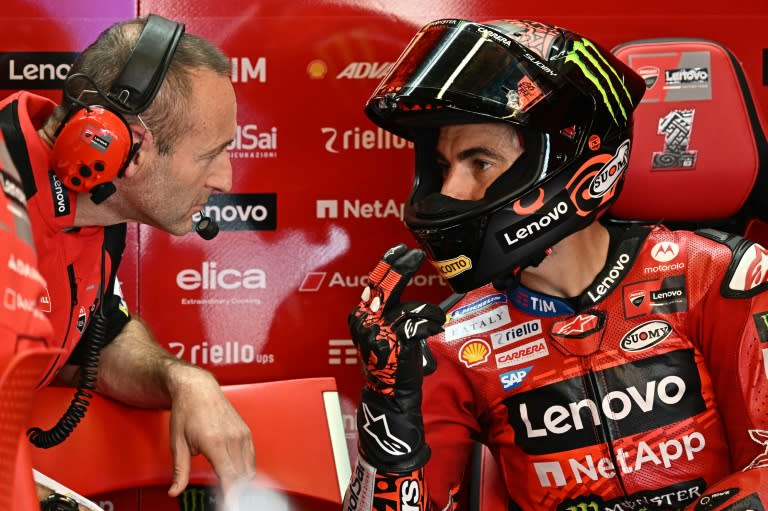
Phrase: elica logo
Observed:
(35, 70)
(242, 211)
(604, 77)
(329, 208)
(253, 141)
(245, 70)
(364, 70)
(359, 139)
(211, 277)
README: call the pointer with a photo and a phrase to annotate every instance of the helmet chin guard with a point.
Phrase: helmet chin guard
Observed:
(570, 101)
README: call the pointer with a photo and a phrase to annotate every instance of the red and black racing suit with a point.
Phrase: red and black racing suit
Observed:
(641, 393)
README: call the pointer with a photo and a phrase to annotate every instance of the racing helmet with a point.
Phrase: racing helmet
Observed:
(571, 103)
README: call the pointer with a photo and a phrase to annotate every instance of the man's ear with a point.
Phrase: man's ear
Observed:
(143, 144)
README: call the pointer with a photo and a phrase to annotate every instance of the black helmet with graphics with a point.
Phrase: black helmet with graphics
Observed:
(571, 101)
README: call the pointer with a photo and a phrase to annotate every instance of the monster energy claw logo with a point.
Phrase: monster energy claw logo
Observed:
(197, 498)
(598, 71)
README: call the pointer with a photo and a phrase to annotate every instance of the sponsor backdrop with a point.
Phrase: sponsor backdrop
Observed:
(318, 190)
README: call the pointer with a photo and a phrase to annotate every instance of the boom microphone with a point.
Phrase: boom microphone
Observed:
(207, 227)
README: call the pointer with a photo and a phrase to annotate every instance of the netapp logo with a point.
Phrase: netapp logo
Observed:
(35, 70)
(242, 211)
(358, 209)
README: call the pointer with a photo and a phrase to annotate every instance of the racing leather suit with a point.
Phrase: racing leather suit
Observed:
(71, 260)
(641, 393)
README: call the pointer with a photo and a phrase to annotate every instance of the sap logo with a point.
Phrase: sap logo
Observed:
(37, 70)
(358, 209)
(665, 251)
(363, 70)
(358, 139)
(513, 379)
(210, 277)
(243, 70)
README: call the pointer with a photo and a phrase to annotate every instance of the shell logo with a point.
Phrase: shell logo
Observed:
(474, 352)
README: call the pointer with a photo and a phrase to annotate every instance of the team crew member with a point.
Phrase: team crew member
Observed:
(606, 367)
(141, 135)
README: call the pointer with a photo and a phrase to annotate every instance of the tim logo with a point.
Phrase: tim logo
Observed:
(242, 211)
(665, 251)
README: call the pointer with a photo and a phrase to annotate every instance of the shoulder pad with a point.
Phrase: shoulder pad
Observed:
(747, 272)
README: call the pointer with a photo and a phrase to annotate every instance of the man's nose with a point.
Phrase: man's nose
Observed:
(221, 178)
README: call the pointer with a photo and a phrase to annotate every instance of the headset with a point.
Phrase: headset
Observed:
(94, 144)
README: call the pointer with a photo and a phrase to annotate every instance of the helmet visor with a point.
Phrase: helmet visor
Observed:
(468, 67)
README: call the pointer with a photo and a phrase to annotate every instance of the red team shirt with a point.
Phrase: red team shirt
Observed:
(652, 392)
(70, 259)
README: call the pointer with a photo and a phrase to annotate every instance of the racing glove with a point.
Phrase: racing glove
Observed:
(388, 335)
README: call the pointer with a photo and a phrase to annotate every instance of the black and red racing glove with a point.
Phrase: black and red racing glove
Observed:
(388, 335)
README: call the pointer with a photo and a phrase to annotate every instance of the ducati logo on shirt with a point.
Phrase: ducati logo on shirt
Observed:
(82, 319)
(654, 296)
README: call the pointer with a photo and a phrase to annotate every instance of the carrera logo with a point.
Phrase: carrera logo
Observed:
(451, 268)
(645, 336)
(665, 251)
(522, 354)
(474, 352)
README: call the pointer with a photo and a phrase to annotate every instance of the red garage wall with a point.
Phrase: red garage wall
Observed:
(318, 189)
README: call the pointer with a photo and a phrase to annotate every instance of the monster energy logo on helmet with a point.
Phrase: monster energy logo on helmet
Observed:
(603, 76)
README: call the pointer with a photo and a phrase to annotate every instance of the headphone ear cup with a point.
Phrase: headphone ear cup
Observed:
(92, 147)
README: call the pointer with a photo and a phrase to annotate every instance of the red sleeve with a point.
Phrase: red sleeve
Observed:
(730, 323)
(450, 409)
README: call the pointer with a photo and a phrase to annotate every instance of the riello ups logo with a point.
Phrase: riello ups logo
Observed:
(35, 70)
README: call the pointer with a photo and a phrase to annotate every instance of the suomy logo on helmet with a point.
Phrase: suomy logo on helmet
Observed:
(452, 267)
(611, 171)
(603, 76)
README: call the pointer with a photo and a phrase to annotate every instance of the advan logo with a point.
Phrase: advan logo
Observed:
(365, 70)
(645, 336)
